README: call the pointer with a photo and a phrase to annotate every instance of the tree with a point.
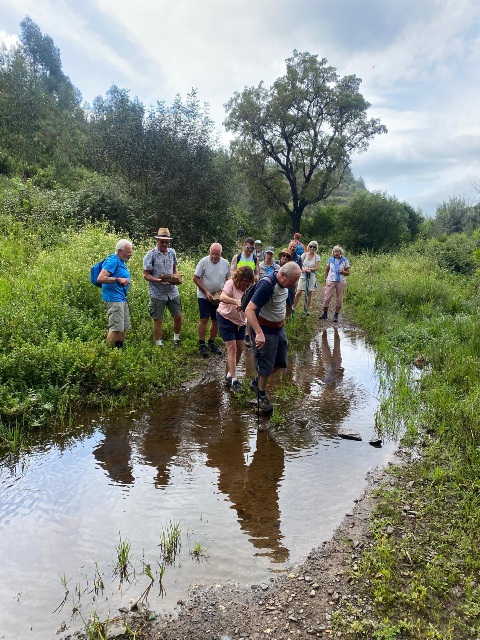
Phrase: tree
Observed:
(372, 221)
(296, 138)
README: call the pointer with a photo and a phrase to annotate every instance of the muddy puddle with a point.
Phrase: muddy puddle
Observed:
(247, 502)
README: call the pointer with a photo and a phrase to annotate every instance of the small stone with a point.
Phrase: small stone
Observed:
(313, 593)
(349, 434)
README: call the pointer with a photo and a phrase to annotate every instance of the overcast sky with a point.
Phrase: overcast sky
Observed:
(418, 59)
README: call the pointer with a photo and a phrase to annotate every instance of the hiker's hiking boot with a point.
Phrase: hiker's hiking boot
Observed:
(237, 386)
(264, 403)
(324, 316)
(203, 350)
(253, 385)
(335, 317)
(228, 381)
(213, 348)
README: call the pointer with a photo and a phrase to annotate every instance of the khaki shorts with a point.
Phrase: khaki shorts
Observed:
(118, 316)
(156, 307)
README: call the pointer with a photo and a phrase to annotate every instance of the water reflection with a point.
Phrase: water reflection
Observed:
(252, 485)
(196, 457)
(114, 454)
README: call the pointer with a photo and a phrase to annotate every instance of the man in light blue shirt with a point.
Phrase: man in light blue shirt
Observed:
(115, 280)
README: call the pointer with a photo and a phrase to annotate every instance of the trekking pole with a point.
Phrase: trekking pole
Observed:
(307, 286)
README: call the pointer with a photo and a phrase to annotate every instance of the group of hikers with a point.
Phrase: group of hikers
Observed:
(257, 321)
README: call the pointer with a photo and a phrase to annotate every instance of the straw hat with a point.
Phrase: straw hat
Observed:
(285, 252)
(163, 234)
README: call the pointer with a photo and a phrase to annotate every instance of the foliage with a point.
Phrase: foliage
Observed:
(295, 139)
(52, 316)
(419, 577)
(454, 216)
(372, 221)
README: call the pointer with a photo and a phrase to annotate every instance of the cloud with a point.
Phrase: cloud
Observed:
(418, 62)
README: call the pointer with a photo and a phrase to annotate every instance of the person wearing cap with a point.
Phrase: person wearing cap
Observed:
(259, 252)
(310, 264)
(160, 261)
(268, 266)
(209, 276)
(115, 280)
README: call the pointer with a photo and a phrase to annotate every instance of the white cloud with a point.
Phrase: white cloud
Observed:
(418, 62)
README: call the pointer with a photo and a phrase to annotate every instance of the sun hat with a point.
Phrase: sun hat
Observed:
(285, 252)
(163, 234)
(269, 250)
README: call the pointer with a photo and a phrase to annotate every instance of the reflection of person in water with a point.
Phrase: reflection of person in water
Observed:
(332, 360)
(114, 453)
(252, 489)
(159, 446)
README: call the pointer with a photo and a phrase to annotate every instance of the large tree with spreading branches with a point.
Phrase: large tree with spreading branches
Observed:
(295, 140)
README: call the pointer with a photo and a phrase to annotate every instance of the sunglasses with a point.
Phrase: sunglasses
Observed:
(249, 246)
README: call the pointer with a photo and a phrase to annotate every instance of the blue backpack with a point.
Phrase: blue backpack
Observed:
(95, 272)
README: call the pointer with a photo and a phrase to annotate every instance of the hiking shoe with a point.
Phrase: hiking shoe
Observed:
(324, 316)
(203, 349)
(213, 348)
(253, 384)
(335, 317)
(265, 404)
(228, 381)
(237, 386)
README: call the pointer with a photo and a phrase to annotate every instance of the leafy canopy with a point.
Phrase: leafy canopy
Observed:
(295, 139)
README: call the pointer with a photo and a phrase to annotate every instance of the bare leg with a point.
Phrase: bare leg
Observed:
(202, 328)
(158, 328)
(213, 330)
(177, 323)
(115, 336)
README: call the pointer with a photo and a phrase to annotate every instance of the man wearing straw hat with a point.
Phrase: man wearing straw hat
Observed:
(158, 262)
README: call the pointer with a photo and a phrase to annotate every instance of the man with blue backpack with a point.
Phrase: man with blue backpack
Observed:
(114, 278)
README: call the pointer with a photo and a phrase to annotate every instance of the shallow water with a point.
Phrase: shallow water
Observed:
(256, 500)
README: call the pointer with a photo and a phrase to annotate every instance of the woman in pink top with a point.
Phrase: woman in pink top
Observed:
(232, 320)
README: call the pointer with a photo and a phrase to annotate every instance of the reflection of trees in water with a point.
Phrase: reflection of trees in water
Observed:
(253, 488)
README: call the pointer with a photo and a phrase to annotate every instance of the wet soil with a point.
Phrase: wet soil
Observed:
(299, 603)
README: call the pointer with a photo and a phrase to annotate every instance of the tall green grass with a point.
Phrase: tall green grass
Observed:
(420, 577)
(53, 355)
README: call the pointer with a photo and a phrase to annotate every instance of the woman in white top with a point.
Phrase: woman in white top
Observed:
(311, 262)
(336, 270)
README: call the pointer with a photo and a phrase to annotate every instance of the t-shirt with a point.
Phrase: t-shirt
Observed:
(244, 261)
(230, 311)
(266, 270)
(112, 291)
(270, 302)
(212, 275)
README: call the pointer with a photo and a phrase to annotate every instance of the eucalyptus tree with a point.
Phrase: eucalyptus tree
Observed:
(296, 138)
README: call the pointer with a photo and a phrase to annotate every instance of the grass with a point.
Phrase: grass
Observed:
(53, 357)
(419, 578)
